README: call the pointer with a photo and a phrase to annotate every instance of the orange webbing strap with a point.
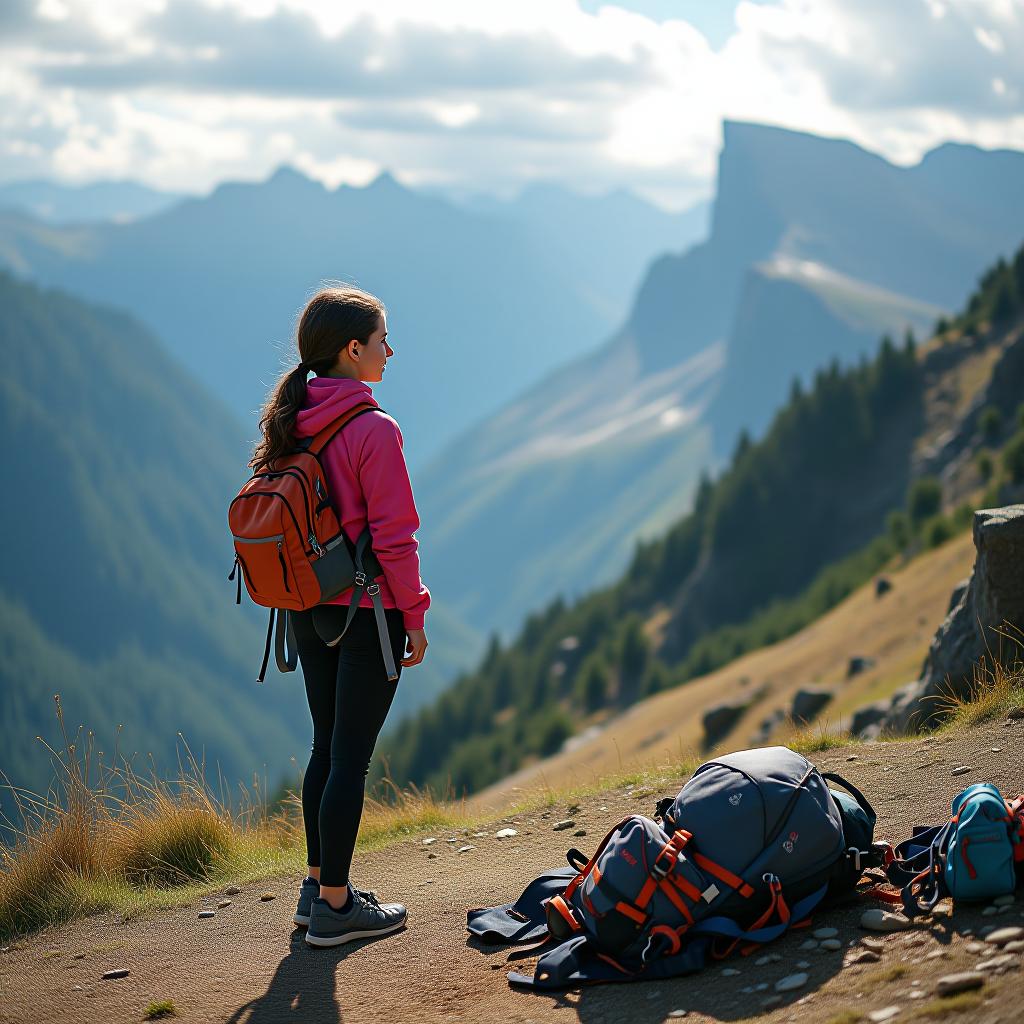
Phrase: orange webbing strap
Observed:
(615, 963)
(723, 875)
(778, 905)
(320, 440)
(676, 899)
(669, 852)
(885, 895)
(631, 912)
(575, 883)
(565, 912)
(690, 891)
(674, 936)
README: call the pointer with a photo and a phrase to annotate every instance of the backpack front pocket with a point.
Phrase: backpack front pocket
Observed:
(266, 564)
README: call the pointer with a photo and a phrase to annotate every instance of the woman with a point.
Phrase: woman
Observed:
(342, 338)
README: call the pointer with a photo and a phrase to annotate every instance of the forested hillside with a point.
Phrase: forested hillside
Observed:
(792, 525)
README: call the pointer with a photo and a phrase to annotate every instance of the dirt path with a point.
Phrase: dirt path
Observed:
(249, 964)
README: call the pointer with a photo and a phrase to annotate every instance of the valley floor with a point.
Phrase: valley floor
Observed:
(249, 964)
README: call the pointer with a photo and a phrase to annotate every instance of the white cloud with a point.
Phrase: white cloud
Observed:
(183, 93)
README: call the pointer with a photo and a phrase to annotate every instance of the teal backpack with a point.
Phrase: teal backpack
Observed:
(970, 857)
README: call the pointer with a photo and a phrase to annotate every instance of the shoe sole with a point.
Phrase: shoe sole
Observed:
(300, 919)
(366, 933)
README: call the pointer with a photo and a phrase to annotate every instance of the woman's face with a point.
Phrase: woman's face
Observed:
(371, 358)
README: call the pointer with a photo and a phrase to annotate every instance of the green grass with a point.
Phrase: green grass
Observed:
(962, 1002)
(157, 1011)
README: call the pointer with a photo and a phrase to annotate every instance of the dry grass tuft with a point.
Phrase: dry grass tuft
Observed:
(997, 688)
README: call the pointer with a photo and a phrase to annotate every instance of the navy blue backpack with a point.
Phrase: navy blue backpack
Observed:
(750, 846)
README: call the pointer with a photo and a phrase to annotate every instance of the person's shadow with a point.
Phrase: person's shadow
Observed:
(302, 987)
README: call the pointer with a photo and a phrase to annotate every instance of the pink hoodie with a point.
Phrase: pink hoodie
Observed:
(368, 481)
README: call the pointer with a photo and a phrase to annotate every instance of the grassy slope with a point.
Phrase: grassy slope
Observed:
(895, 630)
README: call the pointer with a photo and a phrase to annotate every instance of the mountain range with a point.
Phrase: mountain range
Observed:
(817, 248)
(482, 303)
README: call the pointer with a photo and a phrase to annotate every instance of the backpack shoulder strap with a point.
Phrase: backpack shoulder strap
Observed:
(316, 444)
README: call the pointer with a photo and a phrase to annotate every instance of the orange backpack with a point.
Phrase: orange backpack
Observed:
(291, 549)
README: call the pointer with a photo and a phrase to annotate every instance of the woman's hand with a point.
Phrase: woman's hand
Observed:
(415, 647)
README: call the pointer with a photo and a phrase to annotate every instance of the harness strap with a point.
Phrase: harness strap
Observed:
(723, 875)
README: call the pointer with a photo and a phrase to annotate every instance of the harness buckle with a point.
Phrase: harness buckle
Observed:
(854, 854)
(360, 578)
(373, 589)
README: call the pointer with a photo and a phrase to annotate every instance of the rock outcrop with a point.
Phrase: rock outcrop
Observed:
(982, 613)
(808, 702)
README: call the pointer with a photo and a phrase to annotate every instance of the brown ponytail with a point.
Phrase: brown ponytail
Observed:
(331, 319)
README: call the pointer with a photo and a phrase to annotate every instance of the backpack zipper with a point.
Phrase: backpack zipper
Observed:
(284, 568)
(273, 494)
(293, 471)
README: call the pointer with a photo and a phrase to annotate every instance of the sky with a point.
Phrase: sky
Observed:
(481, 95)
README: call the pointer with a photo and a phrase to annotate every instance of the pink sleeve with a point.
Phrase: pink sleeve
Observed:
(392, 517)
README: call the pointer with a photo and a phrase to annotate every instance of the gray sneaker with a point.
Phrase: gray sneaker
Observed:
(310, 888)
(364, 919)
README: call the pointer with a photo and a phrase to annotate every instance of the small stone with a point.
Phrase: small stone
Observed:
(961, 769)
(466, 849)
(883, 921)
(870, 942)
(747, 990)
(831, 944)
(916, 993)
(853, 757)
(232, 890)
(809, 944)
(561, 826)
(580, 832)
(761, 987)
(962, 982)
(121, 972)
(431, 856)
(761, 961)
(674, 1013)
(990, 912)
(886, 1013)
(730, 972)
(506, 833)
(997, 962)
(803, 964)
(221, 904)
(1003, 935)
(825, 933)
(769, 1001)
(480, 835)
(207, 913)
(1014, 947)
(995, 750)
(267, 897)
(791, 982)
(975, 947)
(1005, 910)
(452, 839)
(935, 954)
(863, 956)
(433, 839)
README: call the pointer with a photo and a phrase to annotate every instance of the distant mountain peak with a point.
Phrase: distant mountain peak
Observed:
(289, 176)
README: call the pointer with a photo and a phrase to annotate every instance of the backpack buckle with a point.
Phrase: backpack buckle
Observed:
(360, 578)
(373, 589)
(854, 854)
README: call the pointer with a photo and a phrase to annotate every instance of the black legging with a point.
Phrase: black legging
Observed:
(349, 697)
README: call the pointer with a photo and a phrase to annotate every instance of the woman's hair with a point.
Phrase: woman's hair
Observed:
(331, 319)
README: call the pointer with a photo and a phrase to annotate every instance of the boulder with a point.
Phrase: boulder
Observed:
(719, 720)
(882, 585)
(858, 664)
(975, 624)
(866, 717)
(807, 703)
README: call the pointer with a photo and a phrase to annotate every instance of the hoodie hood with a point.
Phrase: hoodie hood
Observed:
(326, 399)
